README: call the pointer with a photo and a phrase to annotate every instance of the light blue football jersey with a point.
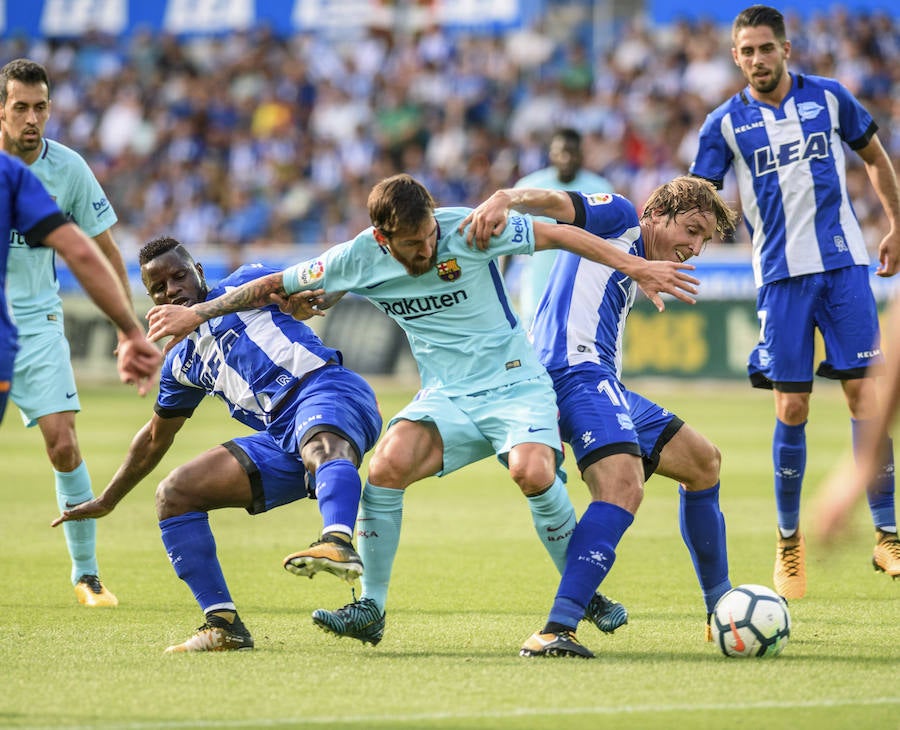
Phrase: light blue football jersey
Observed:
(791, 173)
(463, 332)
(24, 204)
(581, 317)
(31, 272)
(249, 360)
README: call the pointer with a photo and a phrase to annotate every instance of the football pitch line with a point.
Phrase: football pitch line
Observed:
(363, 720)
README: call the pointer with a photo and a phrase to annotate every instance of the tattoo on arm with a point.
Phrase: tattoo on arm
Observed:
(252, 295)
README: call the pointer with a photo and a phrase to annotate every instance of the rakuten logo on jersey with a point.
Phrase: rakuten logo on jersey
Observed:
(771, 159)
(414, 308)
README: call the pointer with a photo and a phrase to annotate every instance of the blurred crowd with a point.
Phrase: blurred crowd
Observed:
(264, 140)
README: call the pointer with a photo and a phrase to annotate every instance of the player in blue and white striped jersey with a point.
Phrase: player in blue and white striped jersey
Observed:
(484, 392)
(784, 136)
(314, 420)
(619, 438)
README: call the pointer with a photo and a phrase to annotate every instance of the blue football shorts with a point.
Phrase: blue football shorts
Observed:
(332, 399)
(489, 422)
(599, 417)
(276, 477)
(43, 381)
(838, 303)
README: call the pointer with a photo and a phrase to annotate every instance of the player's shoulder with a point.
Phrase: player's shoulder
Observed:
(245, 273)
(616, 211)
(446, 217)
(810, 83)
(56, 153)
(537, 179)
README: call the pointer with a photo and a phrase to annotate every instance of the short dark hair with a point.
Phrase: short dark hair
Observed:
(25, 71)
(567, 134)
(158, 246)
(399, 204)
(757, 15)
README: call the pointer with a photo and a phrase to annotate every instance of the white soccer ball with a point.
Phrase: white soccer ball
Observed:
(751, 620)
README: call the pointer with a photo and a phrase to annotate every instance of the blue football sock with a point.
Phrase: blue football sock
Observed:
(378, 531)
(337, 491)
(789, 458)
(73, 488)
(703, 530)
(554, 519)
(191, 548)
(881, 492)
(592, 552)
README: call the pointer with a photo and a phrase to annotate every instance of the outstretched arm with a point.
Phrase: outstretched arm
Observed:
(138, 360)
(846, 484)
(147, 448)
(489, 218)
(179, 322)
(653, 277)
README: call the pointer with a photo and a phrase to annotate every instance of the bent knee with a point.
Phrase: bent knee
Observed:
(171, 497)
(707, 467)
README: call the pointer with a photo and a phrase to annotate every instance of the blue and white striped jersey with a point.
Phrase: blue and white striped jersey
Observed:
(457, 317)
(581, 317)
(791, 173)
(250, 360)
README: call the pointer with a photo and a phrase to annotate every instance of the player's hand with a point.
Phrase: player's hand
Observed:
(91, 509)
(666, 277)
(174, 320)
(137, 362)
(889, 254)
(301, 305)
(488, 219)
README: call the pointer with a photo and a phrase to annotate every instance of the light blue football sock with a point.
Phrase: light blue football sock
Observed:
(592, 552)
(378, 532)
(703, 531)
(554, 519)
(881, 492)
(191, 548)
(73, 488)
(338, 487)
(789, 459)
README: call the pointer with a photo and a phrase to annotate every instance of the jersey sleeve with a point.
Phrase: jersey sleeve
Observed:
(714, 156)
(855, 123)
(334, 270)
(91, 208)
(176, 399)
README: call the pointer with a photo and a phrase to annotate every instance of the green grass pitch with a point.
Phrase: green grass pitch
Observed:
(470, 584)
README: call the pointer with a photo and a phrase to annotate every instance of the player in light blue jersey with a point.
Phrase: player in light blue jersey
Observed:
(565, 172)
(484, 392)
(44, 386)
(314, 420)
(784, 136)
(25, 206)
(618, 437)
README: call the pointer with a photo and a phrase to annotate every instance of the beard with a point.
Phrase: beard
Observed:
(420, 266)
(764, 87)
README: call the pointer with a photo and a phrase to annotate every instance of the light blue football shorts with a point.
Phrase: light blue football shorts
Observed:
(43, 381)
(489, 422)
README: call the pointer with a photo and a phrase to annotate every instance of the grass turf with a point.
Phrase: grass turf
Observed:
(470, 584)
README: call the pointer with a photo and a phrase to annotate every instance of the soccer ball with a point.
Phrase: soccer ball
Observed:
(751, 620)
